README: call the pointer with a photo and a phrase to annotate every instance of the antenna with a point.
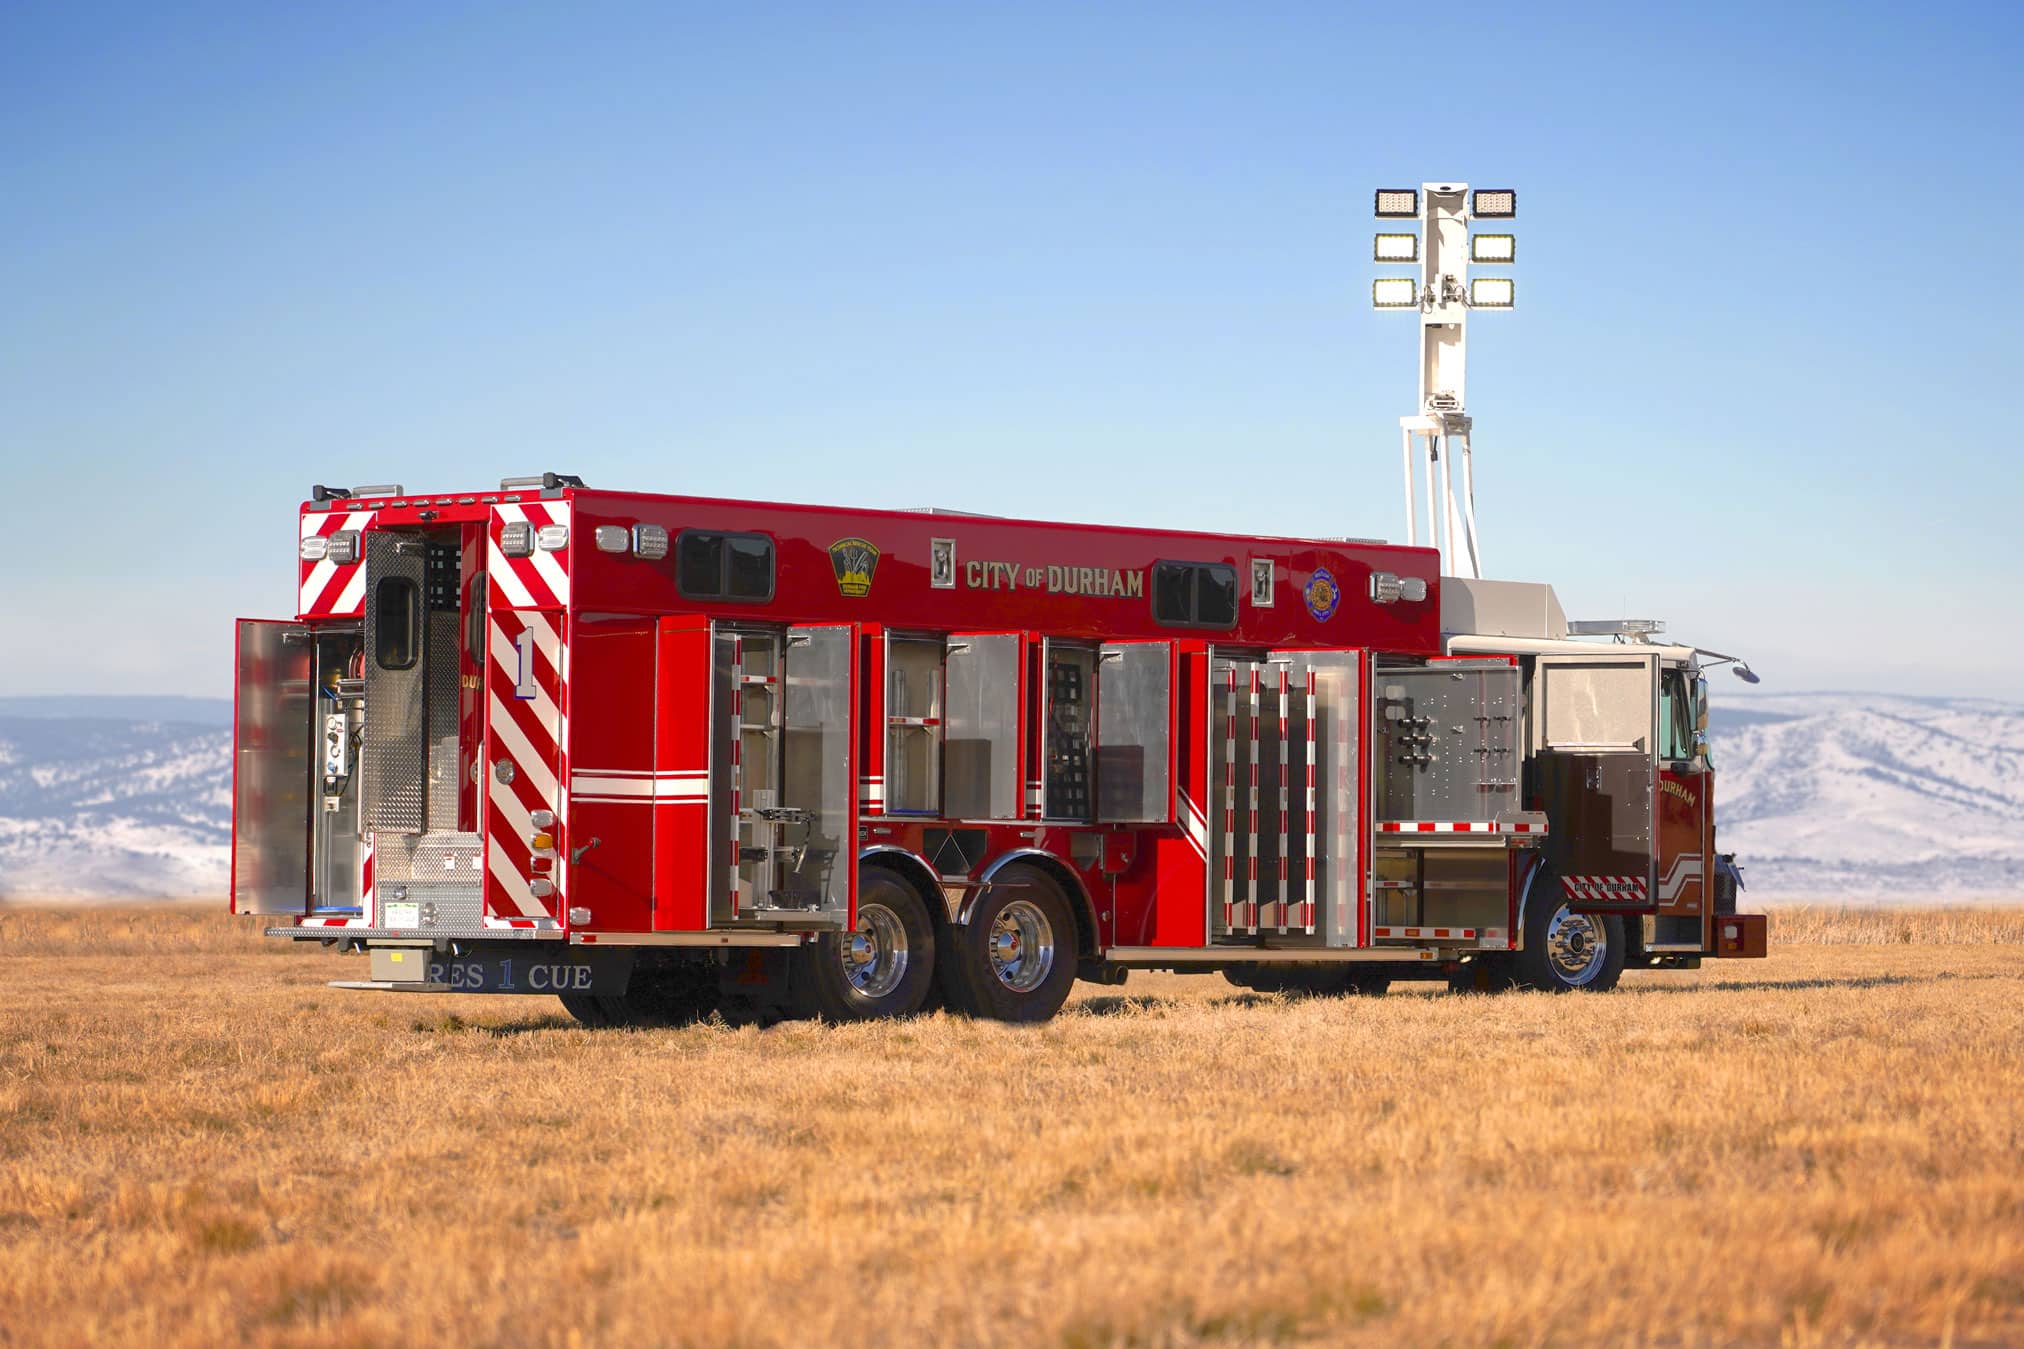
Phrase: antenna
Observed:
(1444, 294)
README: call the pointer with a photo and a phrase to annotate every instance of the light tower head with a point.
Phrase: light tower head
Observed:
(1443, 292)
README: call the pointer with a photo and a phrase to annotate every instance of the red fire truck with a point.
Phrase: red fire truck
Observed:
(644, 752)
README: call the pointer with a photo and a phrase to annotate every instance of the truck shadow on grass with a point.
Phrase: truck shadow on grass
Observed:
(1856, 981)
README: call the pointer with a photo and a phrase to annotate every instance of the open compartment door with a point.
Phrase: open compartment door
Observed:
(1135, 733)
(1594, 724)
(273, 700)
(1286, 826)
(985, 731)
(815, 836)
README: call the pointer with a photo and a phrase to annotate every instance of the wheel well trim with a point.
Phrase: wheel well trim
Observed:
(913, 868)
(1071, 884)
(1539, 869)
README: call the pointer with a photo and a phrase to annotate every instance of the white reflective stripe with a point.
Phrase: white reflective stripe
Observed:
(1195, 824)
(548, 641)
(548, 565)
(644, 789)
(313, 585)
(522, 753)
(1686, 867)
(352, 598)
(519, 822)
(500, 568)
(512, 882)
(507, 657)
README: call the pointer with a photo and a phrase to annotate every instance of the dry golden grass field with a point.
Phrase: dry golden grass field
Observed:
(200, 1143)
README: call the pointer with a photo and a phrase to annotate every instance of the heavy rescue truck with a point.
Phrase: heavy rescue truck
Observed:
(639, 751)
(644, 752)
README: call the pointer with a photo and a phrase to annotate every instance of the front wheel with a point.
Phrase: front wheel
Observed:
(1567, 951)
(884, 967)
(1015, 959)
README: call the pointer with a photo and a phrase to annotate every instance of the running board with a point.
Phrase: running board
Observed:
(692, 938)
(1257, 955)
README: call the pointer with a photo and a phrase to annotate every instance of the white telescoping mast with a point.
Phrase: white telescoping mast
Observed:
(1444, 294)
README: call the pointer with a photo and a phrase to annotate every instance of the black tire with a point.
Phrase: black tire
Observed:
(1333, 979)
(1015, 959)
(885, 968)
(1568, 952)
(1485, 974)
(670, 996)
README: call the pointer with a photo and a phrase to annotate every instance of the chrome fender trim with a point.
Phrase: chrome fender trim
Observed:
(1077, 893)
(909, 861)
(1524, 896)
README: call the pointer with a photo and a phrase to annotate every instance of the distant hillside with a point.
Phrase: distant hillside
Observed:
(1871, 794)
(1909, 799)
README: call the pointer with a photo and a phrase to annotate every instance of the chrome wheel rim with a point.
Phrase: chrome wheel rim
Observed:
(875, 952)
(1577, 946)
(1021, 946)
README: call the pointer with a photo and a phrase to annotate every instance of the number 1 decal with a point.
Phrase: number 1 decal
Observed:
(523, 667)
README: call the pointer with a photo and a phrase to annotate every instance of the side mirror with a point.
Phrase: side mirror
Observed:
(1701, 707)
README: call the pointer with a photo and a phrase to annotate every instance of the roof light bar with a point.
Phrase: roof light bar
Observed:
(1398, 203)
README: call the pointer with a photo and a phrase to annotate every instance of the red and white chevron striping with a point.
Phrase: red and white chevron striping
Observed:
(325, 589)
(537, 582)
(526, 727)
(1605, 889)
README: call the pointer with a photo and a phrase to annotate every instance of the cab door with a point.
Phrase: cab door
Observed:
(1684, 856)
(1594, 743)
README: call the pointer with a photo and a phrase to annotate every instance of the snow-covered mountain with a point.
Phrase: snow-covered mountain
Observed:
(114, 797)
(1869, 794)
(1909, 799)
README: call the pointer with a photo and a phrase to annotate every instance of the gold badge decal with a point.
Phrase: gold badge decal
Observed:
(854, 560)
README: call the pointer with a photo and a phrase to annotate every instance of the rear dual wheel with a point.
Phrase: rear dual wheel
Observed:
(883, 967)
(1015, 959)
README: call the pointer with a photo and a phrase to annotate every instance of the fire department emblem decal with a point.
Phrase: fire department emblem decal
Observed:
(1322, 595)
(854, 560)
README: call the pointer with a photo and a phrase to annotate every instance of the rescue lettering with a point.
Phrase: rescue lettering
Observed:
(1102, 582)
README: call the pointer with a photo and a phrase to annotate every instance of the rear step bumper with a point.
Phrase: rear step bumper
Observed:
(417, 935)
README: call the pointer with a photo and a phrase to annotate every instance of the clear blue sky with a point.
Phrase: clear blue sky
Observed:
(1093, 261)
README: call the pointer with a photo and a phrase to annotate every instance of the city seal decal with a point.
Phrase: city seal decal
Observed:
(853, 560)
(1322, 595)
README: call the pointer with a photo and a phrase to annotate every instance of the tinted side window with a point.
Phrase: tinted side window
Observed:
(699, 565)
(711, 565)
(397, 622)
(1173, 593)
(1195, 594)
(750, 559)
(1216, 595)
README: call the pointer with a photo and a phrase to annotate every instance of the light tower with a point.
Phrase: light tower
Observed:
(1444, 294)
